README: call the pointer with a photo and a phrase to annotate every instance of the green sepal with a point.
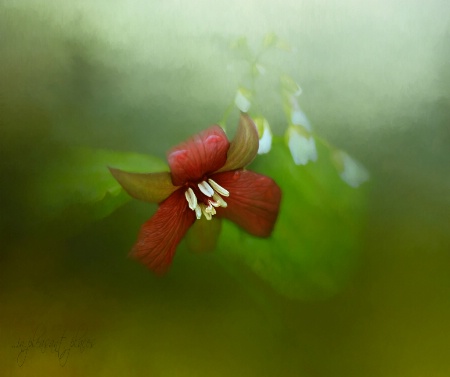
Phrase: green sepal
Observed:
(148, 187)
(244, 146)
(203, 235)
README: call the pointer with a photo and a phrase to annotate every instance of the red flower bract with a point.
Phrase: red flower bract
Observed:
(207, 179)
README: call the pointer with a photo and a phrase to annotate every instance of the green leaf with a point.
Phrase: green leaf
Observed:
(313, 249)
(79, 188)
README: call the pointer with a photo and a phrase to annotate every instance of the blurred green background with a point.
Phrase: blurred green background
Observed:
(138, 76)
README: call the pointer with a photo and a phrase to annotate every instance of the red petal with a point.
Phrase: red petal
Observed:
(203, 154)
(253, 202)
(159, 236)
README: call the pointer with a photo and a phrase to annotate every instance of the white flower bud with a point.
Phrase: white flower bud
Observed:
(265, 135)
(351, 171)
(301, 145)
(241, 101)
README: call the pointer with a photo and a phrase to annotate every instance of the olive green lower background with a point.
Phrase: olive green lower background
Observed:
(141, 76)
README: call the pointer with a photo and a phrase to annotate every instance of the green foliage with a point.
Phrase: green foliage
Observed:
(80, 189)
(314, 246)
(311, 252)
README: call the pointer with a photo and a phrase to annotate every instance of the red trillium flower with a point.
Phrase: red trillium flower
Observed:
(207, 180)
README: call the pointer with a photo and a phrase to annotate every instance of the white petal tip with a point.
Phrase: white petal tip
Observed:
(242, 102)
(354, 173)
(303, 149)
(265, 142)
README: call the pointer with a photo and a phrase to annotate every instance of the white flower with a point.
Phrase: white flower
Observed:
(241, 101)
(265, 135)
(353, 172)
(298, 117)
(301, 145)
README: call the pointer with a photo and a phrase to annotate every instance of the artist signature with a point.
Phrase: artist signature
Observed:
(61, 344)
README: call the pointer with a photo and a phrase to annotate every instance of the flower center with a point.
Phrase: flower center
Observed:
(212, 192)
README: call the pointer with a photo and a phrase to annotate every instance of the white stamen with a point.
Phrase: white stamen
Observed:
(211, 206)
(212, 203)
(198, 212)
(218, 188)
(206, 189)
(207, 214)
(191, 198)
(210, 209)
(219, 201)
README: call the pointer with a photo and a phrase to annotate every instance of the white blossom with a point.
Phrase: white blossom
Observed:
(298, 117)
(265, 135)
(302, 146)
(353, 172)
(242, 102)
